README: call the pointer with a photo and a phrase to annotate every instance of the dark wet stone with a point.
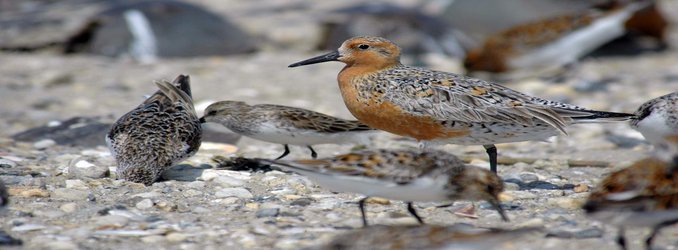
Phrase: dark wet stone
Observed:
(581, 234)
(267, 212)
(561, 234)
(589, 233)
(508, 206)
(184, 172)
(539, 185)
(8, 240)
(94, 26)
(4, 195)
(302, 202)
(181, 30)
(77, 131)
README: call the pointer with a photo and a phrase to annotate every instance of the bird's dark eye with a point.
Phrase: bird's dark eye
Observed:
(212, 112)
(363, 46)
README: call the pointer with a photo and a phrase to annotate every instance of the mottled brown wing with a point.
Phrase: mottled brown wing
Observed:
(445, 96)
(400, 166)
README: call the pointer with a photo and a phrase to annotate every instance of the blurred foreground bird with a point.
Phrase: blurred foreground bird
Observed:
(403, 175)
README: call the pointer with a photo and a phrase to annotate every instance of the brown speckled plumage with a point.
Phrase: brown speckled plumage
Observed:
(161, 132)
(434, 175)
(644, 194)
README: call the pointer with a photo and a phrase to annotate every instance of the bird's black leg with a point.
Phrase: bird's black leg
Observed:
(413, 212)
(313, 153)
(287, 151)
(361, 205)
(492, 153)
(621, 240)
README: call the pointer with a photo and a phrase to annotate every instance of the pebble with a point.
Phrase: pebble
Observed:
(510, 186)
(69, 207)
(8, 240)
(589, 233)
(196, 184)
(5, 163)
(182, 172)
(153, 239)
(302, 202)
(144, 204)
(30, 192)
(192, 192)
(28, 227)
(76, 184)
(528, 177)
(267, 212)
(227, 181)
(43, 144)
(151, 194)
(200, 210)
(566, 203)
(580, 188)
(176, 237)
(50, 213)
(70, 194)
(534, 222)
(85, 169)
(115, 221)
(234, 192)
(61, 245)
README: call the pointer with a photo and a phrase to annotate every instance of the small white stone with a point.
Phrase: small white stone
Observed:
(76, 184)
(144, 204)
(43, 144)
(69, 207)
(84, 164)
(28, 227)
(192, 192)
(234, 192)
(148, 194)
(176, 237)
(227, 181)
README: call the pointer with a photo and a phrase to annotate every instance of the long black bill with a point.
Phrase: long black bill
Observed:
(332, 56)
(497, 206)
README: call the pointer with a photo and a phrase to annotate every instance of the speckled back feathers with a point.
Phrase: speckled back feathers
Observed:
(159, 133)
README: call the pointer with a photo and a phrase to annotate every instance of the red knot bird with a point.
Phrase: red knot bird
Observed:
(559, 41)
(438, 107)
(642, 195)
(286, 125)
(404, 175)
(161, 132)
(457, 236)
(657, 118)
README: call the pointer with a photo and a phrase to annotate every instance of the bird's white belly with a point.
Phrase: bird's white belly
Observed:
(270, 133)
(654, 128)
(422, 190)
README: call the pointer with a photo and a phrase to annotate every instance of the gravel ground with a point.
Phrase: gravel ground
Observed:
(68, 198)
